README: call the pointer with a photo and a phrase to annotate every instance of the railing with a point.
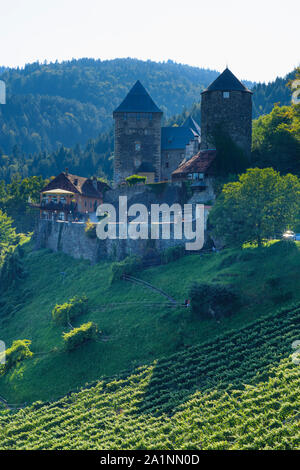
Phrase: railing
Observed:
(58, 206)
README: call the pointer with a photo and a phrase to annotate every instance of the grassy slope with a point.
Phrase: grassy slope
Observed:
(238, 392)
(136, 334)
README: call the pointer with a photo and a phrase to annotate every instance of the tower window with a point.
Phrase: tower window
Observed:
(137, 146)
(225, 94)
(167, 164)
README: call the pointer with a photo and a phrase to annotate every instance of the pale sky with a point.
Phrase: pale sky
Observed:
(259, 39)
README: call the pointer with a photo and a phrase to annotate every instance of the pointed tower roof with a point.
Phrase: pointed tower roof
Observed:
(227, 82)
(191, 124)
(138, 100)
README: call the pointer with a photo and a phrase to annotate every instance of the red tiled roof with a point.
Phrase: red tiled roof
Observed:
(199, 163)
(76, 184)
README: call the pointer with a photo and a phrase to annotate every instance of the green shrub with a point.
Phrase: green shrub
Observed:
(134, 179)
(12, 270)
(78, 336)
(90, 229)
(130, 265)
(212, 300)
(172, 254)
(64, 313)
(18, 351)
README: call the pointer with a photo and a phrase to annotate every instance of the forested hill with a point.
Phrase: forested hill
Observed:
(70, 102)
(265, 95)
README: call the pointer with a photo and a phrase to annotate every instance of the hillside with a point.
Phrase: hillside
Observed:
(136, 323)
(71, 102)
(240, 391)
(60, 115)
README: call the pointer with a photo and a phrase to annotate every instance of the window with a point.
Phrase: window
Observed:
(138, 116)
(125, 116)
(201, 176)
(150, 116)
(190, 176)
(225, 94)
(167, 165)
(63, 199)
(195, 176)
(137, 146)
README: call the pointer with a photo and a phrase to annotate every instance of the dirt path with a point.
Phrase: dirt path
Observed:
(150, 286)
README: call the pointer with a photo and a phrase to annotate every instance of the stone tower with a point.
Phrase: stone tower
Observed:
(137, 135)
(227, 103)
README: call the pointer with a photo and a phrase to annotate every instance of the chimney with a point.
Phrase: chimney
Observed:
(67, 171)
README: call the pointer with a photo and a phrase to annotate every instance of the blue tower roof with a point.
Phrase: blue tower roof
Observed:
(191, 124)
(175, 137)
(138, 100)
(178, 137)
(227, 82)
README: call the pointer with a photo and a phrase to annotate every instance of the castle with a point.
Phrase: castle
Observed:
(161, 154)
(144, 147)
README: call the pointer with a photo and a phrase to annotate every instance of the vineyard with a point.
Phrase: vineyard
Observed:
(139, 321)
(238, 391)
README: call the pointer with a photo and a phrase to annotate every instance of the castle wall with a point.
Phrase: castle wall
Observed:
(70, 238)
(170, 160)
(131, 130)
(234, 114)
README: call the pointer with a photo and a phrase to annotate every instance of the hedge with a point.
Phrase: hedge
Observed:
(18, 351)
(212, 300)
(134, 179)
(78, 336)
(129, 266)
(64, 313)
(90, 229)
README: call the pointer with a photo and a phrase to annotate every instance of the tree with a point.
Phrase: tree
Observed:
(276, 139)
(12, 269)
(7, 232)
(14, 200)
(230, 158)
(261, 204)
